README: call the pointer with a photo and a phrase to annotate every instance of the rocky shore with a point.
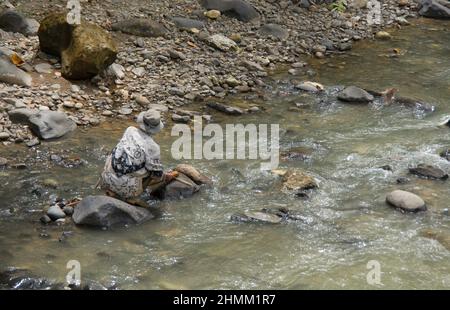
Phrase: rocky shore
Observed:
(173, 53)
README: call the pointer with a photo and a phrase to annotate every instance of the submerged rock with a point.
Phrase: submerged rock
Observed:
(440, 236)
(240, 9)
(85, 49)
(103, 211)
(296, 180)
(10, 74)
(355, 94)
(428, 171)
(50, 124)
(140, 27)
(20, 279)
(439, 9)
(256, 216)
(12, 21)
(406, 201)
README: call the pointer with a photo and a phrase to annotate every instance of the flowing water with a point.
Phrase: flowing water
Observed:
(346, 222)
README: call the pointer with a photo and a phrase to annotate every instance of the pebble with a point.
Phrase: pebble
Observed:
(55, 213)
(212, 14)
(406, 201)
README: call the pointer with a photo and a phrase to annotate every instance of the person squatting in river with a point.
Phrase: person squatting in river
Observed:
(135, 163)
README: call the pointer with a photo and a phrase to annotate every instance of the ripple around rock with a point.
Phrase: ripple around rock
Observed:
(406, 201)
(428, 171)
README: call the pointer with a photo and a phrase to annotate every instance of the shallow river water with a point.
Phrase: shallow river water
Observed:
(194, 245)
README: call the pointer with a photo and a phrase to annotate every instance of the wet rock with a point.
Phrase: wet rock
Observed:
(428, 171)
(13, 21)
(140, 27)
(193, 174)
(103, 211)
(440, 236)
(85, 49)
(68, 210)
(355, 94)
(184, 189)
(181, 118)
(256, 216)
(45, 219)
(445, 154)
(383, 35)
(3, 162)
(274, 30)
(225, 109)
(10, 74)
(406, 201)
(310, 87)
(240, 9)
(50, 124)
(221, 42)
(55, 213)
(187, 23)
(439, 9)
(296, 181)
(20, 279)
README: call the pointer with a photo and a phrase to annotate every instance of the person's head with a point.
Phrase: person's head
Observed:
(150, 122)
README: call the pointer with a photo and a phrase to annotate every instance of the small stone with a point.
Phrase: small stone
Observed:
(139, 72)
(43, 68)
(383, 35)
(428, 171)
(3, 162)
(45, 219)
(406, 201)
(52, 183)
(181, 118)
(141, 100)
(33, 142)
(212, 14)
(319, 55)
(4, 136)
(107, 113)
(68, 210)
(125, 111)
(55, 212)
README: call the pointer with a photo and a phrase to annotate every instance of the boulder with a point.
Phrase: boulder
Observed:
(10, 74)
(185, 188)
(239, 9)
(406, 201)
(297, 181)
(140, 27)
(103, 211)
(187, 23)
(355, 94)
(193, 174)
(428, 171)
(439, 9)
(85, 49)
(50, 124)
(274, 30)
(12, 21)
(221, 42)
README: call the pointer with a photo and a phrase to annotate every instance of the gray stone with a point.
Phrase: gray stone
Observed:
(428, 171)
(187, 23)
(274, 30)
(115, 70)
(4, 136)
(22, 115)
(221, 42)
(13, 21)
(181, 118)
(55, 213)
(10, 74)
(185, 188)
(43, 68)
(225, 109)
(103, 211)
(3, 162)
(140, 27)
(439, 9)
(355, 94)
(240, 9)
(406, 201)
(51, 124)
(68, 210)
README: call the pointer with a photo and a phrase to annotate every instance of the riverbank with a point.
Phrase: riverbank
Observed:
(181, 67)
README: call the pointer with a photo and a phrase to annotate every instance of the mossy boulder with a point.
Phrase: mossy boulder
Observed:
(85, 49)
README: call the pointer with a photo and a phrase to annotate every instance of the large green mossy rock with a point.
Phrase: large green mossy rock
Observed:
(85, 49)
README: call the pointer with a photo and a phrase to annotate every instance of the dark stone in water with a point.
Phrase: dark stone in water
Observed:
(45, 219)
(444, 154)
(19, 279)
(266, 215)
(428, 171)
(439, 9)
(103, 211)
(386, 167)
(403, 180)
